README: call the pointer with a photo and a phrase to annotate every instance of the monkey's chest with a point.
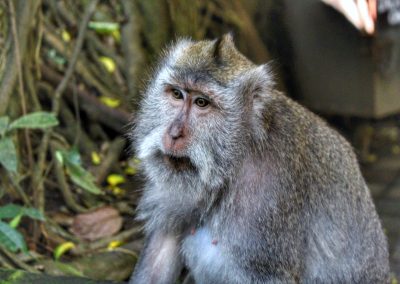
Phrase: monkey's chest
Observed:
(206, 256)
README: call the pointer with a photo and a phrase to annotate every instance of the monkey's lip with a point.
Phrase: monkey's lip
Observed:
(180, 163)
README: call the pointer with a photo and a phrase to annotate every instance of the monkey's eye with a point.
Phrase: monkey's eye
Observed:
(201, 102)
(177, 94)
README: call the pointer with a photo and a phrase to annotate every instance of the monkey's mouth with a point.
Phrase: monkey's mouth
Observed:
(178, 163)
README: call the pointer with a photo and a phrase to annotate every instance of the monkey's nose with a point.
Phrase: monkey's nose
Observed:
(176, 131)
(175, 138)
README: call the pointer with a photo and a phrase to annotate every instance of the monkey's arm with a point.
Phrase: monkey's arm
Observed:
(159, 262)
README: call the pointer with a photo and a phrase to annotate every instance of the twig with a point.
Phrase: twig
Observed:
(131, 47)
(17, 55)
(25, 15)
(28, 75)
(113, 118)
(92, 38)
(4, 262)
(75, 134)
(85, 73)
(63, 185)
(37, 180)
(72, 130)
(114, 151)
(81, 36)
(15, 260)
(39, 44)
(53, 228)
(122, 237)
(235, 13)
(19, 190)
(20, 83)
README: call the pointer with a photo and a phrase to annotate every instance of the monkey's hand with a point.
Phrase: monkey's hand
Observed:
(159, 262)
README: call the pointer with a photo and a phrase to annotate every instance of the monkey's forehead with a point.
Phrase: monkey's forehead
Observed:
(190, 78)
(197, 60)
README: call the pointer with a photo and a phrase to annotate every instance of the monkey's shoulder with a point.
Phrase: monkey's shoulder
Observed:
(292, 127)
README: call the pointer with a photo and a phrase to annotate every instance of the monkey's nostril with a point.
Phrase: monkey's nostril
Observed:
(176, 132)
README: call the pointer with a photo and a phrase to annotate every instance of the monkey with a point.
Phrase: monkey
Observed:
(243, 184)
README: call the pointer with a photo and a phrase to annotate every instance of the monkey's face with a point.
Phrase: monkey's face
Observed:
(194, 122)
(190, 128)
(187, 105)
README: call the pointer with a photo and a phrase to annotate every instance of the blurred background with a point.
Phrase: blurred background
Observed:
(71, 74)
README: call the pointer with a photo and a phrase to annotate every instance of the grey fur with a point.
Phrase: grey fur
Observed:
(275, 194)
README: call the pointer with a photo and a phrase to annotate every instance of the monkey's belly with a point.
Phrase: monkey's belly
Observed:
(207, 258)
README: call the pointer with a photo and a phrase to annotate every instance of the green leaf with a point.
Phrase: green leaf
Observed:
(82, 178)
(104, 27)
(38, 119)
(56, 58)
(10, 211)
(59, 157)
(78, 174)
(15, 222)
(73, 156)
(11, 238)
(3, 124)
(13, 210)
(8, 154)
(33, 213)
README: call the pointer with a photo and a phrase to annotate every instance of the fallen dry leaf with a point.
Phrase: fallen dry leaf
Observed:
(103, 222)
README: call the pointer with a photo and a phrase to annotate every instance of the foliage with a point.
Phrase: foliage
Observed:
(62, 249)
(81, 177)
(13, 210)
(9, 236)
(8, 154)
(36, 120)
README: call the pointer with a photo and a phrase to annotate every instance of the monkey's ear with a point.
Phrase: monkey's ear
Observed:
(256, 85)
(222, 44)
(257, 81)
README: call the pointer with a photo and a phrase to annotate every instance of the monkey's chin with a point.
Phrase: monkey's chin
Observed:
(178, 163)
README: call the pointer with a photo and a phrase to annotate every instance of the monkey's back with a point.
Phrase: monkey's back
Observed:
(318, 209)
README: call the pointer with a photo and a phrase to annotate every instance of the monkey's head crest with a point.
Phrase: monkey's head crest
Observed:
(218, 57)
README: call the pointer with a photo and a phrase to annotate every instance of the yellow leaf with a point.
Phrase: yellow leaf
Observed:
(96, 160)
(130, 171)
(114, 244)
(63, 248)
(116, 35)
(132, 167)
(108, 63)
(115, 179)
(117, 191)
(65, 36)
(111, 102)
